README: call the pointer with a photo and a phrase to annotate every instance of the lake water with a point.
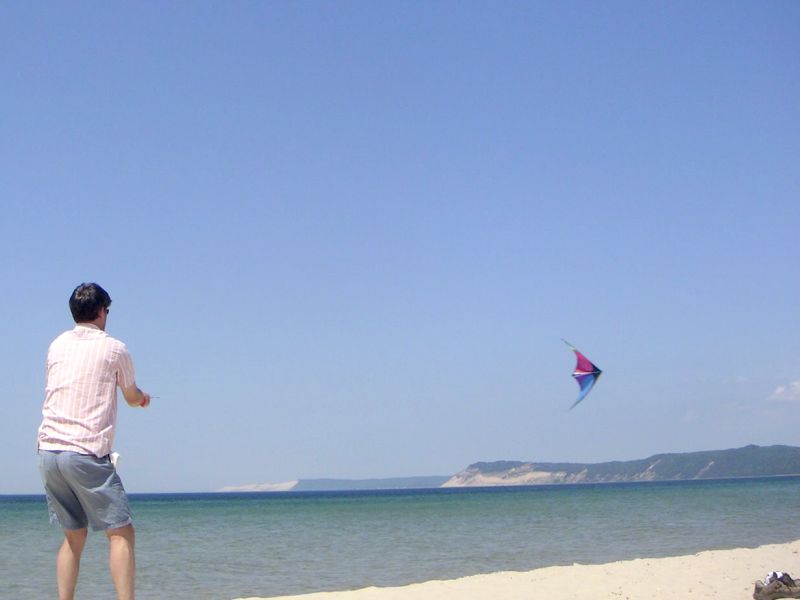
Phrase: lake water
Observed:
(223, 546)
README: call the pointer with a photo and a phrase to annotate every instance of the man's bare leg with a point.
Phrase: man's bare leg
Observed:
(121, 560)
(68, 562)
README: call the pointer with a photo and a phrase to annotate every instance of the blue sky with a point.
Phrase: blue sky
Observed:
(345, 239)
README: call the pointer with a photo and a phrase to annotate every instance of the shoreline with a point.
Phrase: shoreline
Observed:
(39, 495)
(711, 574)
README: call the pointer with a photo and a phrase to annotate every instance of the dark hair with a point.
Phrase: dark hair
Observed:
(86, 302)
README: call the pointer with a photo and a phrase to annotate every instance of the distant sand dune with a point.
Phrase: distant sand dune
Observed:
(262, 487)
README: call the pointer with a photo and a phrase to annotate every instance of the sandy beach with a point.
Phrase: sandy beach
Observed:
(722, 574)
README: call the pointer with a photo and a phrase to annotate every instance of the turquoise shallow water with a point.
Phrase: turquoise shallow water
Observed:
(222, 546)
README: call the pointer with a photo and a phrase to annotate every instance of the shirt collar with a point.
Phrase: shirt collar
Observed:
(87, 326)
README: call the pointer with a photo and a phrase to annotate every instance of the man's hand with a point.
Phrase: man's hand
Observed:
(136, 397)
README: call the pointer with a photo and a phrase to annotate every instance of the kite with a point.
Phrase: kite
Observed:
(585, 373)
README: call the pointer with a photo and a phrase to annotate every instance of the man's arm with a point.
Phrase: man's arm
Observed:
(136, 397)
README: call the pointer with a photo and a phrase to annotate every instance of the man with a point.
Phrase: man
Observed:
(84, 368)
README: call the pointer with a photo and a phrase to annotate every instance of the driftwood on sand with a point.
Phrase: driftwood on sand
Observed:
(774, 590)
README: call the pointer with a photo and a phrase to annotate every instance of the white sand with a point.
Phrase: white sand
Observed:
(722, 574)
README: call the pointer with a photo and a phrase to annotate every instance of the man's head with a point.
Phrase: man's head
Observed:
(88, 302)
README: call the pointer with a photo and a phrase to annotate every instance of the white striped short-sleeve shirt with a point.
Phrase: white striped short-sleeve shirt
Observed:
(84, 368)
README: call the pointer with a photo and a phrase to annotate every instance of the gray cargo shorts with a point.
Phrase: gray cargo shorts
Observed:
(83, 490)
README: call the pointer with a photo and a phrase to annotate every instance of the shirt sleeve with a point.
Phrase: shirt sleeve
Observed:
(125, 374)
